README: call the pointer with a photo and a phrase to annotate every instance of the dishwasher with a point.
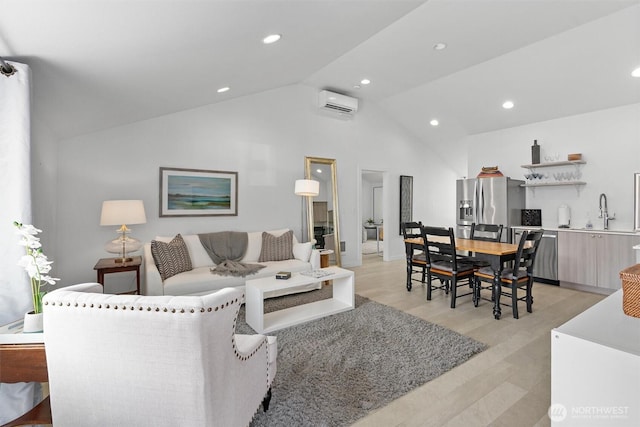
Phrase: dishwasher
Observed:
(545, 268)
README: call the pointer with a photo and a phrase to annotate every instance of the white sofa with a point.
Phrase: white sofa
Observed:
(200, 280)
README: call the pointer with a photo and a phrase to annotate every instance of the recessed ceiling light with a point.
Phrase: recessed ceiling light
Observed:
(223, 89)
(365, 81)
(434, 122)
(636, 72)
(272, 38)
(507, 105)
(440, 46)
(319, 170)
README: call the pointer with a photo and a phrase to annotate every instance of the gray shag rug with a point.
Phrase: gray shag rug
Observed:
(335, 370)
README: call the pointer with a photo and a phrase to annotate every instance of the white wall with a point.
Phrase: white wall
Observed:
(265, 138)
(609, 141)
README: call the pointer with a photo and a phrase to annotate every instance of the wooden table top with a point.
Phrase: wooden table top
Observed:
(111, 264)
(23, 363)
(478, 246)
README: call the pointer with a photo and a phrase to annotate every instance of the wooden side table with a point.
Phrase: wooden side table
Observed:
(109, 265)
(324, 257)
(26, 363)
(324, 262)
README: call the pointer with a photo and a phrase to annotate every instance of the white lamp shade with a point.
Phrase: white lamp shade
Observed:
(307, 187)
(118, 212)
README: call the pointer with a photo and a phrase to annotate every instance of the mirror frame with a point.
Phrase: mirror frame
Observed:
(308, 161)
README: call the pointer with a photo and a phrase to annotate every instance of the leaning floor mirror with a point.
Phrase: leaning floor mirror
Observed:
(322, 211)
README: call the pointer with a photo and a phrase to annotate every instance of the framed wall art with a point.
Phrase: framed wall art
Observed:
(406, 199)
(196, 192)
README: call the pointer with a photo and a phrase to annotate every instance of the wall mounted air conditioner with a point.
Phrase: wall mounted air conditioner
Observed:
(337, 102)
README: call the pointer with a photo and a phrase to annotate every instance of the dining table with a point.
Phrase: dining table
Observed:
(495, 253)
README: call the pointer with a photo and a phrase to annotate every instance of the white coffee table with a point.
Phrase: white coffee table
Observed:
(343, 300)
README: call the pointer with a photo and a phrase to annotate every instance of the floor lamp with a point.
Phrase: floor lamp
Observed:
(306, 188)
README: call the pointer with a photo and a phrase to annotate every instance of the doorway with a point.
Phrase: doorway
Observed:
(372, 212)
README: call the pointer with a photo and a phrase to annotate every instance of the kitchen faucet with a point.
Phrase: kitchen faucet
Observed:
(604, 212)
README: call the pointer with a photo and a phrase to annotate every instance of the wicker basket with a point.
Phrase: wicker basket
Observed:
(631, 290)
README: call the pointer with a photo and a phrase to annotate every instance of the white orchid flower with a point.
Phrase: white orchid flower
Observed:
(44, 265)
(49, 280)
(26, 229)
(30, 242)
(35, 263)
(27, 262)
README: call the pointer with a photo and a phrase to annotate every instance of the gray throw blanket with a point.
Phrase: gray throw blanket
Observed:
(226, 249)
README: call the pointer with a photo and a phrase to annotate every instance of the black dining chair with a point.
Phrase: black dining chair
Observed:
(416, 262)
(486, 233)
(520, 276)
(443, 263)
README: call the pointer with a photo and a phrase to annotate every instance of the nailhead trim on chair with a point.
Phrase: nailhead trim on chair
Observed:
(236, 301)
(182, 310)
(157, 309)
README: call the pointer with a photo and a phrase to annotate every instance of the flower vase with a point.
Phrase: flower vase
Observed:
(32, 323)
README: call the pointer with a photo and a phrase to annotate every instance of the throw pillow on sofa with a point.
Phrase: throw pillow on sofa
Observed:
(171, 258)
(302, 251)
(277, 248)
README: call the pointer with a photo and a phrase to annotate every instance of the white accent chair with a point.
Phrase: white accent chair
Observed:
(129, 360)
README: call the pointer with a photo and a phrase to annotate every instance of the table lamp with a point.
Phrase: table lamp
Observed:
(123, 212)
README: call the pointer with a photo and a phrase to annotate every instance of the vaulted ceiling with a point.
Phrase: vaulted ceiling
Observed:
(98, 63)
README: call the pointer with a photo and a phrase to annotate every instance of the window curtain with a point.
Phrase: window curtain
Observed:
(15, 196)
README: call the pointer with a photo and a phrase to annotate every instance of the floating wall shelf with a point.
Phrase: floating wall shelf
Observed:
(576, 184)
(551, 164)
(554, 184)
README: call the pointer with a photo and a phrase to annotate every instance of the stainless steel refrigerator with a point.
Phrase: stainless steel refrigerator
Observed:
(497, 200)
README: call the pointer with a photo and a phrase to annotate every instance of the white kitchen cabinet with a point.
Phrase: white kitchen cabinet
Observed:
(594, 258)
(595, 368)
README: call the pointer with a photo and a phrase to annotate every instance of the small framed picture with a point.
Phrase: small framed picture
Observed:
(196, 192)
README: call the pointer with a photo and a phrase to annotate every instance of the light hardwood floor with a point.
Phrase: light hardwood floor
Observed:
(506, 385)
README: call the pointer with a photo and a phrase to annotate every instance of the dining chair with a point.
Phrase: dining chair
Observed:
(416, 261)
(443, 263)
(486, 233)
(520, 276)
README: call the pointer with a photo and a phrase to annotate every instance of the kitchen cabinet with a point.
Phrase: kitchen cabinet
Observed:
(594, 258)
